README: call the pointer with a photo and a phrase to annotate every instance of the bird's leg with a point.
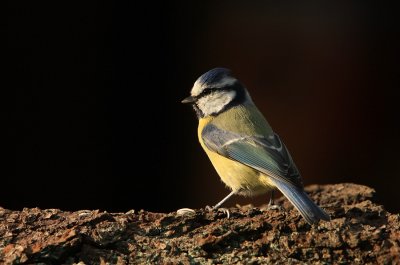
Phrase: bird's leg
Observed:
(271, 204)
(215, 207)
(271, 199)
(224, 200)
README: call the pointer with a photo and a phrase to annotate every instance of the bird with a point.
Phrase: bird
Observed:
(249, 157)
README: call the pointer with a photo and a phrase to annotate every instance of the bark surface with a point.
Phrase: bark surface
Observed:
(360, 232)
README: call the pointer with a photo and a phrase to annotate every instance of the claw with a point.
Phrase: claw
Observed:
(274, 207)
(223, 210)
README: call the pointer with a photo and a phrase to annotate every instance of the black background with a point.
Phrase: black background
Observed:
(91, 97)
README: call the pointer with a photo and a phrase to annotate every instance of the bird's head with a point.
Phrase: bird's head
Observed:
(216, 91)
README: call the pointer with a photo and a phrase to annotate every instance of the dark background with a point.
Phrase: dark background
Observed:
(91, 107)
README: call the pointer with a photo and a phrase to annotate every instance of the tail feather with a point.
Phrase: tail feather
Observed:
(299, 198)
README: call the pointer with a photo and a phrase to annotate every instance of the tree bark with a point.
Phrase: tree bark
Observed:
(360, 232)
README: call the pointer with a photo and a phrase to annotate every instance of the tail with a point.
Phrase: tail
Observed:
(299, 198)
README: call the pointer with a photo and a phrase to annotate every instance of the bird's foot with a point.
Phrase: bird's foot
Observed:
(275, 207)
(217, 209)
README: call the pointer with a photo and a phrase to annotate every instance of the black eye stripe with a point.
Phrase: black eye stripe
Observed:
(209, 90)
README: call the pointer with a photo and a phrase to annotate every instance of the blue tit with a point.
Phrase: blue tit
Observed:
(248, 156)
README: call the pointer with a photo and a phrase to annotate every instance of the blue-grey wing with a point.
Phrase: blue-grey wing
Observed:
(266, 154)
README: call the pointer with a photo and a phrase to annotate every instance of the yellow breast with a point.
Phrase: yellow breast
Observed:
(238, 177)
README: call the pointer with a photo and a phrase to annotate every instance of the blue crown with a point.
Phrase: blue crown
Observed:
(213, 76)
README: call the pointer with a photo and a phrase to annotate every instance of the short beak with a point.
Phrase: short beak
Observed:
(189, 100)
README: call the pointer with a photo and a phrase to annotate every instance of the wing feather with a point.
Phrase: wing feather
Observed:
(265, 154)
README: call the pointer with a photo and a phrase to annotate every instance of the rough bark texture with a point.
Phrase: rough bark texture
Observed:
(360, 232)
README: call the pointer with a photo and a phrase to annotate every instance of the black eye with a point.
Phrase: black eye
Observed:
(207, 91)
(210, 90)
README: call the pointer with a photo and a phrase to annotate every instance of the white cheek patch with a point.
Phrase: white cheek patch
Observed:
(215, 102)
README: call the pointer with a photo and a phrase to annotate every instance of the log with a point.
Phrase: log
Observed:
(361, 232)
